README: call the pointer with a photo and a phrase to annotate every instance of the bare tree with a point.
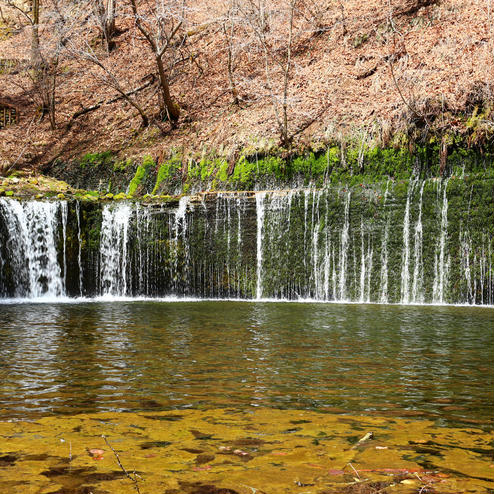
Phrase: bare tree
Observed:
(106, 74)
(229, 26)
(30, 14)
(273, 30)
(160, 24)
(105, 12)
(46, 52)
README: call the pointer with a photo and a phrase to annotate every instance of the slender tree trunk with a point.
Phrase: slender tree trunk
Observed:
(51, 90)
(105, 11)
(110, 17)
(171, 108)
(286, 76)
(35, 49)
(230, 65)
(109, 25)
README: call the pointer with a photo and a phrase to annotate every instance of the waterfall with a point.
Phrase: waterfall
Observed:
(113, 249)
(420, 243)
(441, 261)
(384, 251)
(362, 264)
(315, 243)
(33, 231)
(64, 213)
(260, 196)
(405, 273)
(418, 268)
(344, 249)
(79, 247)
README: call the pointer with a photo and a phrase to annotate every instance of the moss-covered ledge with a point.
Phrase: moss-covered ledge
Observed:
(110, 176)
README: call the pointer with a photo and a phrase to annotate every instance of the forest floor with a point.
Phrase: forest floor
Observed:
(371, 70)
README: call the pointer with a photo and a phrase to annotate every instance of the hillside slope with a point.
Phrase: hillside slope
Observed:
(391, 72)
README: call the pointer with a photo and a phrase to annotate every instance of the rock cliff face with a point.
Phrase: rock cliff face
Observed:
(409, 241)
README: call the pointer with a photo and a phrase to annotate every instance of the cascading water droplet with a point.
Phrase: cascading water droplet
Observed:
(362, 263)
(79, 247)
(442, 261)
(405, 262)
(384, 251)
(418, 268)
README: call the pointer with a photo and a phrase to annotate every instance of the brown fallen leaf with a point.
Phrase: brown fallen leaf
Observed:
(95, 453)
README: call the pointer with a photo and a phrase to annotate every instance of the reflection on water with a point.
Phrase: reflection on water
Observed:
(433, 362)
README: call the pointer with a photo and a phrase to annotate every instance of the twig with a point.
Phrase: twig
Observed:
(127, 474)
(97, 105)
(27, 141)
(413, 110)
(253, 489)
(353, 468)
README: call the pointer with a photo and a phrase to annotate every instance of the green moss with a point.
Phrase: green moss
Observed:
(222, 173)
(166, 171)
(141, 173)
(244, 171)
(96, 159)
(122, 166)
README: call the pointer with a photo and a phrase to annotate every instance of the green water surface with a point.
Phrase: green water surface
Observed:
(403, 361)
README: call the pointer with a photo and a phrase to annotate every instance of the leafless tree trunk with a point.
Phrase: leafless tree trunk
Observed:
(276, 45)
(35, 49)
(159, 29)
(229, 30)
(286, 76)
(43, 68)
(105, 11)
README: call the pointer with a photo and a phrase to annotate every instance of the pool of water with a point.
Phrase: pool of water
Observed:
(404, 361)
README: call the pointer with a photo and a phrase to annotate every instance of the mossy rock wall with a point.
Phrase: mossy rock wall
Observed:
(105, 172)
(402, 241)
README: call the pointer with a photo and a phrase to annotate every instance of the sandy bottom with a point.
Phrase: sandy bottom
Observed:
(245, 452)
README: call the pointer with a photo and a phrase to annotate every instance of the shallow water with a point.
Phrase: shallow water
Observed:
(404, 361)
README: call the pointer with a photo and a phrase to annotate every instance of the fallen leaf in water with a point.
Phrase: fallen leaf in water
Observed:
(95, 453)
(200, 469)
(279, 453)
